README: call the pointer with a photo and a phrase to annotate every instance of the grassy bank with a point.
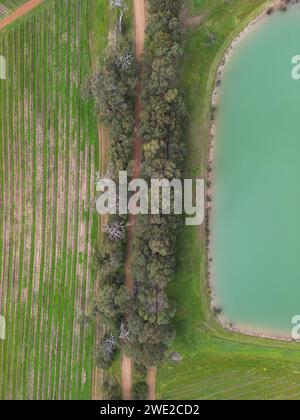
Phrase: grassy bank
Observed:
(216, 364)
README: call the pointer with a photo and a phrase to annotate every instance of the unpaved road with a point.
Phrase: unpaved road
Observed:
(21, 11)
(140, 27)
(126, 377)
(151, 381)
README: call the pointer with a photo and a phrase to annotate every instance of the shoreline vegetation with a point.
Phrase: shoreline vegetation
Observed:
(277, 6)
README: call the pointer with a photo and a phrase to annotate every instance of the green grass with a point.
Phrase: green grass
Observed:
(48, 158)
(216, 364)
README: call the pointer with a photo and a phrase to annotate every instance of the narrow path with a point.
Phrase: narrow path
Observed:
(21, 11)
(151, 382)
(140, 27)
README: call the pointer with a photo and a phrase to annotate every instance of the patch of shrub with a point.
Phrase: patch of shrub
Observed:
(140, 391)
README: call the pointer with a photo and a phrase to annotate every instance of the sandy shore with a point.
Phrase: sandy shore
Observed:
(254, 332)
(245, 330)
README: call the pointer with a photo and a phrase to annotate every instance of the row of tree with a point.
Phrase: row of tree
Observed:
(142, 322)
(162, 128)
(113, 89)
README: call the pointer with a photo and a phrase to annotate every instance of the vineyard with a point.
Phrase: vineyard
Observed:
(48, 153)
(6, 6)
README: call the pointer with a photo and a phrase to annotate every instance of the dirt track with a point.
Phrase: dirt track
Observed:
(140, 27)
(21, 11)
(151, 382)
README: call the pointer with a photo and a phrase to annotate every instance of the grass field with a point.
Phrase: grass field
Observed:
(48, 153)
(216, 364)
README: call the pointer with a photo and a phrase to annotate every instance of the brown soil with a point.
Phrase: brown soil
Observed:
(151, 382)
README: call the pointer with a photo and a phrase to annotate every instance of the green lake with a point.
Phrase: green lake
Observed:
(256, 207)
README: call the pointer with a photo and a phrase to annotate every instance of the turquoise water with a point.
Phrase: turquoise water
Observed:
(256, 216)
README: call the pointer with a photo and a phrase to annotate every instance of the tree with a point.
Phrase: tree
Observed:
(124, 332)
(140, 391)
(161, 245)
(111, 389)
(113, 90)
(106, 351)
(125, 61)
(148, 343)
(109, 261)
(154, 305)
(112, 304)
(146, 331)
(162, 130)
(122, 7)
(117, 230)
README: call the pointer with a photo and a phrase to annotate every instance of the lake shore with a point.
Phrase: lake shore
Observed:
(254, 332)
(245, 329)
